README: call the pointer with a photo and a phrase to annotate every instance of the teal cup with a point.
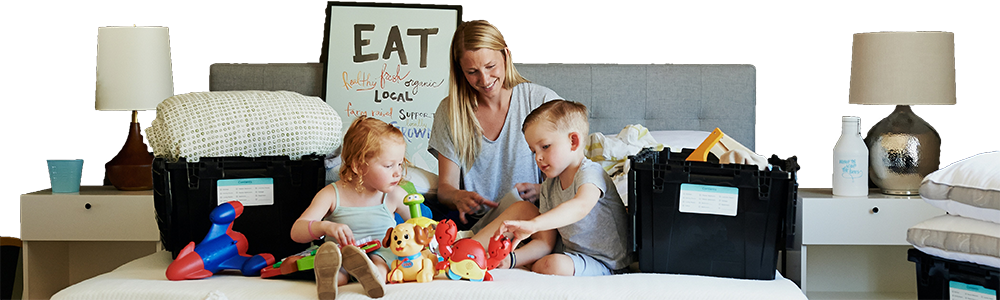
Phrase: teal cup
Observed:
(65, 175)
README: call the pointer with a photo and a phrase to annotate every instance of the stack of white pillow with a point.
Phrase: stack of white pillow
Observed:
(969, 190)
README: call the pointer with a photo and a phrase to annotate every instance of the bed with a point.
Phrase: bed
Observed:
(143, 279)
(689, 98)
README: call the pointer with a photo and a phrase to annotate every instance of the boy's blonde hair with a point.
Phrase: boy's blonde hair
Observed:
(466, 132)
(561, 116)
(363, 142)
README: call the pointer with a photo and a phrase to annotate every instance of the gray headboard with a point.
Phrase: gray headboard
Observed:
(660, 97)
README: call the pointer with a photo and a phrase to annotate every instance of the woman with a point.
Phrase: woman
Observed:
(484, 165)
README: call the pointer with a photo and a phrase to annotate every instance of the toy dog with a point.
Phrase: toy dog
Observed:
(221, 249)
(466, 258)
(407, 241)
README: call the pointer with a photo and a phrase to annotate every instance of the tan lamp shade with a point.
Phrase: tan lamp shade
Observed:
(133, 68)
(133, 73)
(903, 68)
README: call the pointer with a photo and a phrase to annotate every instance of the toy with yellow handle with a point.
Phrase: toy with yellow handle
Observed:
(728, 150)
(414, 201)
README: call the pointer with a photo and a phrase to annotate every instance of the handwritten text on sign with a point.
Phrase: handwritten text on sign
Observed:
(390, 63)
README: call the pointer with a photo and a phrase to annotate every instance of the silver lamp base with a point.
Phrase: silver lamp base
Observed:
(902, 149)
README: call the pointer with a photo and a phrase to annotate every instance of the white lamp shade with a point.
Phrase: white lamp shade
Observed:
(903, 68)
(133, 68)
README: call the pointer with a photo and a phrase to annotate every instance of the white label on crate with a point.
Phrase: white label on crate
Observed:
(709, 199)
(249, 191)
(964, 291)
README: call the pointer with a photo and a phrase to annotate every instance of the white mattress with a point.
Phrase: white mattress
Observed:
(144, 278)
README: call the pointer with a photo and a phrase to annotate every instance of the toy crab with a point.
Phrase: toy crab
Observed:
(466, 258)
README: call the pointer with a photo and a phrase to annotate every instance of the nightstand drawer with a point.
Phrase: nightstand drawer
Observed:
(91, 215)
(861, 221)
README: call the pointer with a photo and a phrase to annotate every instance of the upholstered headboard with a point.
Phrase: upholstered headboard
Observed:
(660, 97)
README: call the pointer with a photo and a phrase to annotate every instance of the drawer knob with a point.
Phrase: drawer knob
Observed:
(875, 210)
(87, 206)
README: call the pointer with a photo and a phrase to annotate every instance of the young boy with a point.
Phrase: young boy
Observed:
(577, 198)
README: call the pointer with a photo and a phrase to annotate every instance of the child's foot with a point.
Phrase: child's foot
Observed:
(361, 267)
(326, 266)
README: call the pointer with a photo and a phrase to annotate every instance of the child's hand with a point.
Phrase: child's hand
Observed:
(519, 230)
(340, 232)
(469, 202)
(528, 191)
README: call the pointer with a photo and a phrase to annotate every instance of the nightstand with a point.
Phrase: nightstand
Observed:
(855, 247)
(70, 237)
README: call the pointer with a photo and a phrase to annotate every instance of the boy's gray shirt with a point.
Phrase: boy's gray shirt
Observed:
(603, 233)
(500, 163)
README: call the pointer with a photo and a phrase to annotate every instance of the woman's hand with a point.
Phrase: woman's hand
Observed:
(528, 191)
(339, 232)
(519, 230)
(467, 202)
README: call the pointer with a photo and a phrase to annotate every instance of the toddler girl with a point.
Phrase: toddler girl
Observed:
(360, 205)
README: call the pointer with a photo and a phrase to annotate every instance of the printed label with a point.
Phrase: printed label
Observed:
(709, 199)
(964, 291)
(249, 191)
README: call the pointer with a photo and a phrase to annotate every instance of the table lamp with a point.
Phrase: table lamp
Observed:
(133, 73)
(902, 69)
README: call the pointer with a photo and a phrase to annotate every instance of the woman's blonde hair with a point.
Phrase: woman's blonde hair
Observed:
(363, 142)
(466, 133)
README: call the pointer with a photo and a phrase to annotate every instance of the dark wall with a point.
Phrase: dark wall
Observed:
(23, 125)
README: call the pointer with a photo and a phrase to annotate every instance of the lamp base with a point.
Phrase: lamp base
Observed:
(902, 150)
(132, 168)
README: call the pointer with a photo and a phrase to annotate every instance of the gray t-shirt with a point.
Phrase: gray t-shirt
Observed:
(603, 233)
(503, 162)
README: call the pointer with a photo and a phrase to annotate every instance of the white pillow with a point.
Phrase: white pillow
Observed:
(958, 238)
(424, 181)
(679, 139)
(969, 187)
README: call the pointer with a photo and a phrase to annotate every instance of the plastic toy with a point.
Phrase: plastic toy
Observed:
(305, 260)
(466, 258)
(416, 218)
(222, 249)
(301, 261)
(718, 143)
(418, 211)
(408, 241)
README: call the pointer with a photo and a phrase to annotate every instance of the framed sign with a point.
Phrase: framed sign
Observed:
(389, 61)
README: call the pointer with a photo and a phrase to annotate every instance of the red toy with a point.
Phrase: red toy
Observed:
(305, 260)
(466, 258)
(221, 249)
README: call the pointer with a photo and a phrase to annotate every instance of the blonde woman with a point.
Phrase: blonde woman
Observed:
(485, 167)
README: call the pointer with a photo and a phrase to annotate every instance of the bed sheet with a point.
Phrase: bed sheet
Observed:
(144, 278)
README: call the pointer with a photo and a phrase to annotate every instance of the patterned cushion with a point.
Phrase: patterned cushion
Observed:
(243, 123)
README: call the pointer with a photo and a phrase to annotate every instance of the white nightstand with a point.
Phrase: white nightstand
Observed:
(855, 247)
(69, 237)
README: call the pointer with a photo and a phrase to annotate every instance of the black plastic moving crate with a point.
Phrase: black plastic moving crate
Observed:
(185, 193)
(744, 245)
(938, 278)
